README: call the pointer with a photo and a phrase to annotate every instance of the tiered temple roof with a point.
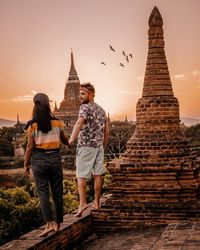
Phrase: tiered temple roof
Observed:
(69, 107)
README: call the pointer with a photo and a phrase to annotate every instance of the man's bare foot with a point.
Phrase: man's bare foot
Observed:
(95, 205)
(80, 210)
(48, 228)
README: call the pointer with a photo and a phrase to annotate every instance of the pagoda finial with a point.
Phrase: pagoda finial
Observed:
(155, 19)
(72, 73)
(72, 69)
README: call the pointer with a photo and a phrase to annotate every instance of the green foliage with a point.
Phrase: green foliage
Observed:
(7, 133)
(20, 210)
(25, 141)
(18, 162)
(90, 190)
(19, 196)
(21, 181)
(193, 134)
(6, 138)
(19, 213)
(90, 186)
(6, 147)
(107, 180)
(70, 196)
(70, 203)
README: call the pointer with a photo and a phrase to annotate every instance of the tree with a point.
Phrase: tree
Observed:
(193, 134)
(120, 133)
(6, 138)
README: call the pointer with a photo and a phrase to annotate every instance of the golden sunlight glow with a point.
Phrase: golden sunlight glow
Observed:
(37, 37)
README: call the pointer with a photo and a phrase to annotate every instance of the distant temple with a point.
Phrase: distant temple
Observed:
(18, 138)
(19, 128)
(69, 107)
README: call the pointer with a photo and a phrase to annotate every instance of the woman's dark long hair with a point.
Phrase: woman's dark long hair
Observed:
(42, 115)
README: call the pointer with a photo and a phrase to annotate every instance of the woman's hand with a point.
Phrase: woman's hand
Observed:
(26, 171)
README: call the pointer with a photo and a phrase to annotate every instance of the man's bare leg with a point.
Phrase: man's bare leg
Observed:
(98, 183)
(82, 196)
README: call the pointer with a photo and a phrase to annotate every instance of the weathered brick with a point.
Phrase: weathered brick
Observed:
(154, 182)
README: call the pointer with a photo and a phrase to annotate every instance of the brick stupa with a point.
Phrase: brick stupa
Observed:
(156, 182)
(69, 107)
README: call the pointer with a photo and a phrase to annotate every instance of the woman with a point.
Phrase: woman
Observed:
(45, 132)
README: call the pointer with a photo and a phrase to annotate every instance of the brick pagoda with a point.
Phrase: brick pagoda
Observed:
(69, 107)
(156, 182)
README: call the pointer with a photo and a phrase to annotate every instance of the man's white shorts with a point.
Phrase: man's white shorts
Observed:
(89, 161)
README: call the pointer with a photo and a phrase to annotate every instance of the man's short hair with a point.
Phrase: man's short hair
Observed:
(88, 86)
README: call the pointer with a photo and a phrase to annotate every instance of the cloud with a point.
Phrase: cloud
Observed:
(195, 72)
(179, 76)
(24, 98)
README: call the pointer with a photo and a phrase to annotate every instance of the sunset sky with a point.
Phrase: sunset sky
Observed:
(37, 37)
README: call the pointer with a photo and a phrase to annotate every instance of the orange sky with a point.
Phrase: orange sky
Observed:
(36, 38)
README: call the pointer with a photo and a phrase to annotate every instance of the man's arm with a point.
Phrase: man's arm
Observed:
(76, 129)
(106, 134)
(29, 150)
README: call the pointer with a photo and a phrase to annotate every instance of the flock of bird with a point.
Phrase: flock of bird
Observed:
(127, 56)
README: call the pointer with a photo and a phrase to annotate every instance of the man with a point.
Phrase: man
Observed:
(92, 131)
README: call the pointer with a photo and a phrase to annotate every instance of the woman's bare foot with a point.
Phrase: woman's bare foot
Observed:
(48, 228)
(81, 209)
(56, 227)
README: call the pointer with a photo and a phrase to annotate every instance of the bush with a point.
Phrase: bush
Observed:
(18, 213)
(193, 134)
(20, 210)
(19, 162)
(70, 196)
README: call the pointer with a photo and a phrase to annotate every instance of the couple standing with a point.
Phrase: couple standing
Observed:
(45, 133)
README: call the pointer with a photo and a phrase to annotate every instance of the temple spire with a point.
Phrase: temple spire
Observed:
(56, 107)
(18, 119)
(126, 118)
(72, 73)
(157, 79)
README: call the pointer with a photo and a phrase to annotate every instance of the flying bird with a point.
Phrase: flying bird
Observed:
(123, 53)
(127, 59)
(131, 55)
(103, 63)
(121, 64)
(111, 48)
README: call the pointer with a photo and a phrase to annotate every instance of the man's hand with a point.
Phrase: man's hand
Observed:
(77, 127)
(71, 141)
(26, 171)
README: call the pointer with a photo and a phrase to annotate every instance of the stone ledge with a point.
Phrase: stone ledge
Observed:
(73, 231)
